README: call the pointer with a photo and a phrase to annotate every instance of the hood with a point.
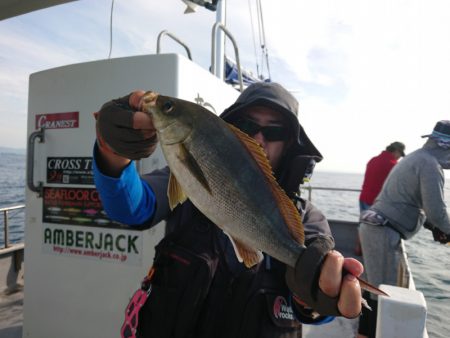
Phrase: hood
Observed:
(273, 95)
(298, 163)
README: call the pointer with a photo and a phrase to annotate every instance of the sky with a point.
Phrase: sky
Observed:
(366, 73)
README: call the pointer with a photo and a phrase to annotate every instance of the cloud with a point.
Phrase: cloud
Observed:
(365, 72)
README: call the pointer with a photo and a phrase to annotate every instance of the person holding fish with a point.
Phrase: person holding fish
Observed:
(412, 196)
(244, 254)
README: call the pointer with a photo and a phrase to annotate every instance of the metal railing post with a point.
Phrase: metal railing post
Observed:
(176, 39)
(5, 231)
(40, 136)
(215, 29)
(310, 193)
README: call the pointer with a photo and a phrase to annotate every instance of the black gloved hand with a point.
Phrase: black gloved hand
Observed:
(303, 280)
(438, 235)
(115, 128)
(428, 225)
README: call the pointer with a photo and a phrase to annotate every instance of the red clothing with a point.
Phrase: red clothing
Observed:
(377, 170)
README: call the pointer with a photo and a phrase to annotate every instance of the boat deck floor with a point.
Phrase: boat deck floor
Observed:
(11, 314)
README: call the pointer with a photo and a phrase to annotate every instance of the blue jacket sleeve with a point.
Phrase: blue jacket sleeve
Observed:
(127, 199)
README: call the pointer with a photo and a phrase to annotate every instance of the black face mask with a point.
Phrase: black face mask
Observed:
(270, 133)
(295, 171)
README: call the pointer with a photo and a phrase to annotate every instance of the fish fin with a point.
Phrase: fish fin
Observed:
(365, 304)
(191, 164)
(175, 193)
(245, 254)
(287, 208)
(370, 288)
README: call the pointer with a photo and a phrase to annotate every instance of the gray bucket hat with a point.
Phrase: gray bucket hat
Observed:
(273, 95)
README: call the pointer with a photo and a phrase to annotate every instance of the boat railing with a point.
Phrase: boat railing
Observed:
(215, 48)
(11, 255)
(219, 26)
(167, 33)
(404, 276)
(6, 217)
(311, 188)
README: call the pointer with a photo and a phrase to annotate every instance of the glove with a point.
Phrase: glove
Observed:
(115, 131)
(428, 225)
(303, 280)
(438, 235)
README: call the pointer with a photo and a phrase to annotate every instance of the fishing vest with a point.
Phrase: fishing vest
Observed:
(194, 293)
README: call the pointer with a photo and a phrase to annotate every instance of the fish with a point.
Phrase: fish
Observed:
(81, 219)
(72, 210)
(54, 209)
(225, 173)
(90, 212)
(59, 218)
(102, 221)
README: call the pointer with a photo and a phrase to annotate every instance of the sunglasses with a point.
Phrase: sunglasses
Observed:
(270, 133)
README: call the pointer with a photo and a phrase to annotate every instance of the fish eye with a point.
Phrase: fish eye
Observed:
(168, 106)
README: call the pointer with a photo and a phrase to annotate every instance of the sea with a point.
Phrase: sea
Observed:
(429, 260)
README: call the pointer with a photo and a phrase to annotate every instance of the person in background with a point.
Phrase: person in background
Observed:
(199, 288)
(377, 169)
(412, 196)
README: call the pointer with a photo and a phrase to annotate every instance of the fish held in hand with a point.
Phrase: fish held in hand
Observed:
(227, 176)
